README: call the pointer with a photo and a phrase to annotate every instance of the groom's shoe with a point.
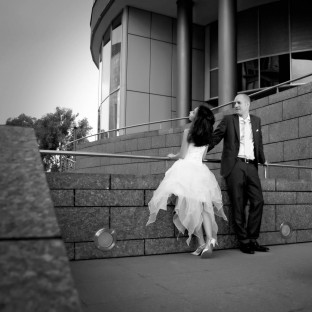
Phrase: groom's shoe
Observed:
(246, 248)
(256, 247)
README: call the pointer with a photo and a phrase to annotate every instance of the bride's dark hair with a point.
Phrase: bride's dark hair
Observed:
(202, 127)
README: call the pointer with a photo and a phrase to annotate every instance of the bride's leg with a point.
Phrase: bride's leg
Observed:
(207, 226)
(210, 241)
(200, 236)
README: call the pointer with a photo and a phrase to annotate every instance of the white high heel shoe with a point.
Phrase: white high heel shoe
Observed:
(198, 251)
(207, 252)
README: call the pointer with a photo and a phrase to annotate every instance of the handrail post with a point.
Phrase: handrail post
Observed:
(61, 163)
(75, 138)
(75, 141)
(99, 124)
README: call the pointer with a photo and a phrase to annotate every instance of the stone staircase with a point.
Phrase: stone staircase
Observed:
(287, 137)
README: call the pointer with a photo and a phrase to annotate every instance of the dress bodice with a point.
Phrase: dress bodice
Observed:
(195, 153)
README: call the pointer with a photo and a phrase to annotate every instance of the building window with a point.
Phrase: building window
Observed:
(214, 83)
(301, 64)
(274, 43)
(248, 75)
(110, 60)
(274, 70)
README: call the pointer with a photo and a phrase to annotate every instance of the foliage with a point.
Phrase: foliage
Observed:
(54, 131)
(82, 130)
(22, 121)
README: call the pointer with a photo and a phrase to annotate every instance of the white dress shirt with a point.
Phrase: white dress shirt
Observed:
(246, 146)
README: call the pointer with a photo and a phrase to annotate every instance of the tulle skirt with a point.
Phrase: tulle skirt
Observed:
(197, 190)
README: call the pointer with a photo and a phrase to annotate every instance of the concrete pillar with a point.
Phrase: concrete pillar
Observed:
(227, 56)
(184, 58)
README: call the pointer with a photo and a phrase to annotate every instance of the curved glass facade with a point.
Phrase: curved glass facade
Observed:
(137, 61)
(274, 44)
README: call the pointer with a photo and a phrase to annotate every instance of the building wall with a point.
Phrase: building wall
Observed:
(274, 44)
(85, 203)
(151, 68)
(148, 72)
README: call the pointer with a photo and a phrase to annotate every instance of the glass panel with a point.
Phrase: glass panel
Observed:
(116, 34)
(198, 37)
(301, 25)
(115, 59)
(104, 112)
(115, 79)
(214, 45)
(117, 21)
(247, 35)
(248, 75)
(110, 77)
(274, 70)
(301, 64)
(114, 101)
(274, 32)
(99, 95)
(106, 53)
(198, 68)
(214, 83)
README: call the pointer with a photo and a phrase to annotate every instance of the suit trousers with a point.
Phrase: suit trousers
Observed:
(244, 184)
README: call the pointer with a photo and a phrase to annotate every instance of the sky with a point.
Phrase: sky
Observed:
(45, 59)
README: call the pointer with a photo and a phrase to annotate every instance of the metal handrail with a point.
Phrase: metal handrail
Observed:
(208, 160)
(93, 154)
(181, 118)
(88, 136)
(279, 85)
(109, 95)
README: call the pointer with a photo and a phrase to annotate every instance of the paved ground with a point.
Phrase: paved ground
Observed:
(231, 281)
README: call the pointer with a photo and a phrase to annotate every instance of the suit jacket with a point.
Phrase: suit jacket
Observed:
(228, 129)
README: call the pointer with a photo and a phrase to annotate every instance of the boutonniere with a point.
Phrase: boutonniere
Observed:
(257, 130)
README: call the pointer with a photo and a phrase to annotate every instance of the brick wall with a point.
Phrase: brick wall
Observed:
(287, 137)
(84, 203)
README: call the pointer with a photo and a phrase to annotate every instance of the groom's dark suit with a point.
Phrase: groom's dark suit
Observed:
(241, 177)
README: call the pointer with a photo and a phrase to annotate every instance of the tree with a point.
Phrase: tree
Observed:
(82, 130)
(22, 121)
(53, 132)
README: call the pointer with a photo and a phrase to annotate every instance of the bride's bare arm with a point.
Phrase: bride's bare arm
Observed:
(184, 147)
(205, 152)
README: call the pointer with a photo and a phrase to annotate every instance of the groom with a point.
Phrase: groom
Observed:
(242, 151)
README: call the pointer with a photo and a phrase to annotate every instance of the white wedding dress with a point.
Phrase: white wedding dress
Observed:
(196, 189)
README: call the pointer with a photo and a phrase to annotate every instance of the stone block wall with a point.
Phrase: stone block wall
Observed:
(287, 137)
(85, 203)
(35, 272)
(151, 143)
